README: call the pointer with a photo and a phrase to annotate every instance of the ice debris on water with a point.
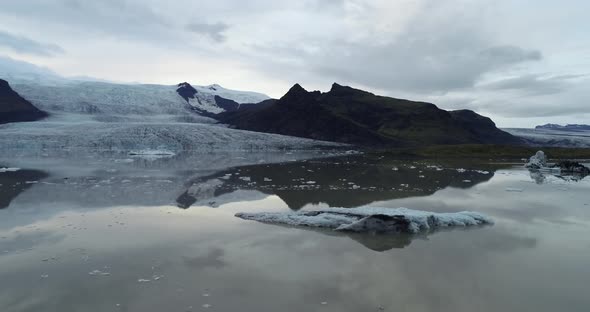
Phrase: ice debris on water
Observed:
(515, 190)
(371, 219)
(4, 169)
(99, 273)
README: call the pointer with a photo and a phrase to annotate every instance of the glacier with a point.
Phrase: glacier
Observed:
(102, 116)
(371, 219)
(555, 138)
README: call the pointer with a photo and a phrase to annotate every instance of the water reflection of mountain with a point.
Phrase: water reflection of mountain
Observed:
(13, 183)
(340, 182)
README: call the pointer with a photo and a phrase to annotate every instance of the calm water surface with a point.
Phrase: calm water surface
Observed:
(119, 234)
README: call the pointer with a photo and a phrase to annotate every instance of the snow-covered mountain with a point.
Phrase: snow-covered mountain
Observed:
(215, 99)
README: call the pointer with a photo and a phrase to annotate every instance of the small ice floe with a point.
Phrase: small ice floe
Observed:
(247, 179)
(371, 219)
(143, 280)
(4, 169)
(267, 180)
(206, 306)
(151, 154)
(466, 181)
(461, 170)
(44, 275)
(98, 273)
(124, 160)
(514, 190)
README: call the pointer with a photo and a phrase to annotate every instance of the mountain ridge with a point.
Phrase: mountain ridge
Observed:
(348, 115)
(568, 127)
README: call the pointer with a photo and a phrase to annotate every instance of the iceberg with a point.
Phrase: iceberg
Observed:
(537, 161)
(371, 219)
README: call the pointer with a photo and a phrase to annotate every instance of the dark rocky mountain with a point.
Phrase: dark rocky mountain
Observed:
(570, 127)
(186, 91)
(354, 116)
(14, 108)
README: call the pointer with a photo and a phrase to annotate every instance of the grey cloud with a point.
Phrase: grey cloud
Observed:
(510, 54)
(213, 31)
(533, 84)
(26, 45)
(116, 18)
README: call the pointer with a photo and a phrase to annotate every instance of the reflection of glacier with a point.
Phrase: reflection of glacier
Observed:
(111, 179)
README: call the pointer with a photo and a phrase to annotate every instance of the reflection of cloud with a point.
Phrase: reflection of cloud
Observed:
(25, 241)
(213, 258)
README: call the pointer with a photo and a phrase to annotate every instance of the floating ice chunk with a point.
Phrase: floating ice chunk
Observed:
(537, 161)
(267, 180)
(4, 169)
(99, 273)
(512, 189)
(371, 219)
(143, 280)
(150, 152)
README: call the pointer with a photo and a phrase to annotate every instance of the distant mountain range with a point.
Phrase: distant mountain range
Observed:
(148, 116)
(354, 116)
(570, 127)
(14, 108)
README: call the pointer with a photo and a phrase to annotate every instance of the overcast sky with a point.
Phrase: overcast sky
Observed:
(520, 62)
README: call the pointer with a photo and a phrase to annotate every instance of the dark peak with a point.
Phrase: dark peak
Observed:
(336, 86)
(341, 90)
(4, 84)
(5, 88)
(296, 91)
(186, 91)
(297, 88)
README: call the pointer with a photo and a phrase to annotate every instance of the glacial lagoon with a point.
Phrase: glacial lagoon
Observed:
(122, 233)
